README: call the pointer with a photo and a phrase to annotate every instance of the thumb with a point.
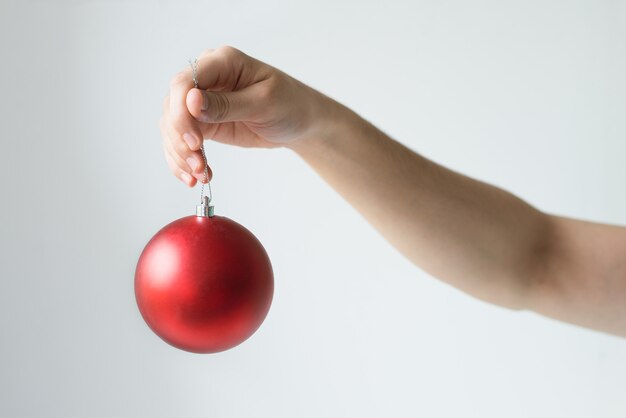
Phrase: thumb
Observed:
(222, 106)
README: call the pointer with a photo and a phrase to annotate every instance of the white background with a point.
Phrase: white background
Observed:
(527, 95)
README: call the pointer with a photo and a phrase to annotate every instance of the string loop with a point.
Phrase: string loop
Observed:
(194, 75)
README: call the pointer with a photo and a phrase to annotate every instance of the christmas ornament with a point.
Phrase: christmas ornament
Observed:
(204, 283)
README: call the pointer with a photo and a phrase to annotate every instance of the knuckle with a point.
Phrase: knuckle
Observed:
(176, 116)
(228, 51)
(179, 162)
(180, 147)
(182, 166)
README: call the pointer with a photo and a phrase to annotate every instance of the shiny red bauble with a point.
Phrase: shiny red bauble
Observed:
(204, 284)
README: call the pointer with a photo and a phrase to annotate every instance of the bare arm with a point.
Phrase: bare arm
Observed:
(474, 236)
(479, 238)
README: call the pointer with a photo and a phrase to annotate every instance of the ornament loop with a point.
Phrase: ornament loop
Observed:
(205, 201)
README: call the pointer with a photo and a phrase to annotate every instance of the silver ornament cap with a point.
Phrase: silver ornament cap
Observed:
(205, 209)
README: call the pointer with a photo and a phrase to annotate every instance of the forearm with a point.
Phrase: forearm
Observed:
(474, 236)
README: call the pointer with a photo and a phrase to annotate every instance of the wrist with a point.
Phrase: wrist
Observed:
(332, 122)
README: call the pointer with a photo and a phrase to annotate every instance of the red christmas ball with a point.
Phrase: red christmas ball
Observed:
(204, 284)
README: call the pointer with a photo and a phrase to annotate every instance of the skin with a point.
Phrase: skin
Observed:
(474, 236)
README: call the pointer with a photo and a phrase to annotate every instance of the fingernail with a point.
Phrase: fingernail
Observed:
(186, 177)
(193, 163)
(190, 140)
(205, 101)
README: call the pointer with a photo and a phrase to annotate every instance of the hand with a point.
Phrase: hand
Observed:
(239, 101)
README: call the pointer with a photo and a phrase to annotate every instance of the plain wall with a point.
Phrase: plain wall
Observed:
(527, 95)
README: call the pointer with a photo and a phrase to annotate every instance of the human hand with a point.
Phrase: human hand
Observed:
(239, 101)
